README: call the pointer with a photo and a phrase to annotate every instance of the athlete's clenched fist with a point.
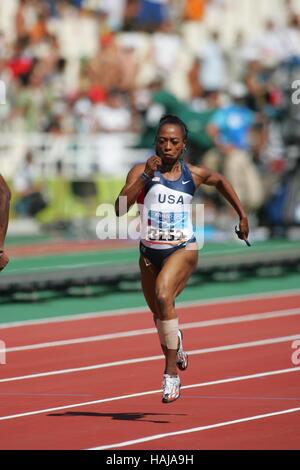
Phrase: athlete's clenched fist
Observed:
(152, 165)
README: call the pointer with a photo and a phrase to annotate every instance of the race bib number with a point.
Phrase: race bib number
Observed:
(165, 235)
(167, 227)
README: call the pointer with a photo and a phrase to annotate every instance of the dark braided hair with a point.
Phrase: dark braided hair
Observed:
(171, 119)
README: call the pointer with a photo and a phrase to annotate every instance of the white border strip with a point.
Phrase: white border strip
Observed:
(143, 309)
(152, 392)
(229, 347)
(192, 430)
(185, 326)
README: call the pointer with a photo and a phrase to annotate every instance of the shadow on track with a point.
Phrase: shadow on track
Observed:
(118, 416)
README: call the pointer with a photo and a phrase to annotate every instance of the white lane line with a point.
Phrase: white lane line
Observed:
(152, 392)
(198, 429)
(62, 266)
(229, 347)
(88, 339)
(138, 310)
(148, 331)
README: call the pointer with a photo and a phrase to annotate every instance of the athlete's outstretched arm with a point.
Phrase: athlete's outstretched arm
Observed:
(211, 178)
(4, 215)
(135, 184)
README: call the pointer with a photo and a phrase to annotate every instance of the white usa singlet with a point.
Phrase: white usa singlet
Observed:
(166, 210)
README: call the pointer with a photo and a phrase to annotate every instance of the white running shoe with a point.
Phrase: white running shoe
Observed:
(171, 388)
(182, 359)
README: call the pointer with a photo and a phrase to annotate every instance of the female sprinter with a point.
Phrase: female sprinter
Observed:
(162, 187)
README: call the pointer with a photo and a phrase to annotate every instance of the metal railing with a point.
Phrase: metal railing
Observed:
(74, 156)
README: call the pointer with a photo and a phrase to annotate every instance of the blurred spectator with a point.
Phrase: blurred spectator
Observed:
(129, 68)
(20, 63)
(166, 47)
(104, 27)
(52, 7)
(113, 115)
(3, 46)
(230, 128)
(291, 41)
(152, 13)
(31, 20)
(30, 200)
(230, 125)
(82, 114)
(104, 69)
(114, 9)
(243, 52)
(256, 79)
(194, 9)
(212, 64)
(70, 69)
(270, 46)
(196, 89)
(131, 11)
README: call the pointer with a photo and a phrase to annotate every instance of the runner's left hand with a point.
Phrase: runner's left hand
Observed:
(243, 229)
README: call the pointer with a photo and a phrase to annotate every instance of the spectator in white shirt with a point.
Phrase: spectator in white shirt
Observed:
(30, 200)
(213, 67)
(113, 115)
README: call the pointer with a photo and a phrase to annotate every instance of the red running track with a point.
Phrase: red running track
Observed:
(221, 408)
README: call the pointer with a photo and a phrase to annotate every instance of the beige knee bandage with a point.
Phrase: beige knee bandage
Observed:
(160, 332)
(169, 329)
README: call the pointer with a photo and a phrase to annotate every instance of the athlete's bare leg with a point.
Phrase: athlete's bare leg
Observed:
(149, 275)
(170, 282)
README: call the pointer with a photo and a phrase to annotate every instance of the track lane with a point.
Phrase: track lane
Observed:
(253, 397)
(80, 355)
(277, 430)
(108, 423)
(81, 387)
(65, 390)
(53, 331)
